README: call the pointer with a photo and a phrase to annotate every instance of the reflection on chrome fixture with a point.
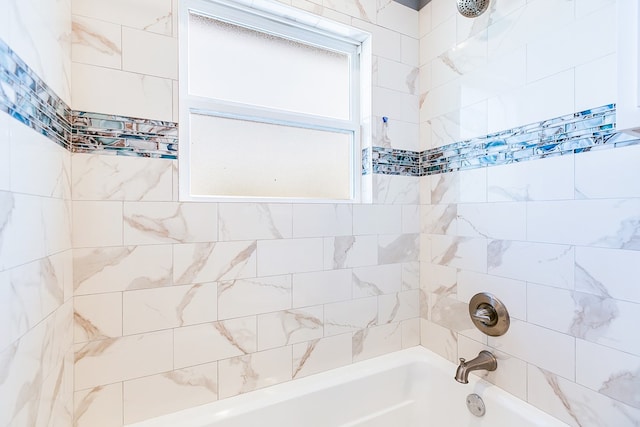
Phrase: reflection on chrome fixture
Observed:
(485, 360)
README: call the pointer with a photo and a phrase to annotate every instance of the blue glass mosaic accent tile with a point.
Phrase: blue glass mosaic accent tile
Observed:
(574, 133)
(366, 161)
(127, 136)
(25, 97)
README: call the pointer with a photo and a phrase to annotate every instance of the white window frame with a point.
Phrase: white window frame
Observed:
(294, 24)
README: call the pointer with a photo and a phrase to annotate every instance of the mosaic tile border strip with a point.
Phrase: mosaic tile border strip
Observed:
(573, 133)
(127, 136)
(25, 97)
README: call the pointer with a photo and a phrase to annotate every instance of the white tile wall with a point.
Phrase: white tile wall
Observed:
(169, 392)
(321, 355)
(133, 253)
(257, 370)
(553, 238)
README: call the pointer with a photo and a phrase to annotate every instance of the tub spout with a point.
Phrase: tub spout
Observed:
(485, 360)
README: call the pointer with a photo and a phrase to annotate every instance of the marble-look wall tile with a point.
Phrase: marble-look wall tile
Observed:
(608, 223)
(350, 251)
(536, 262)
(608, 174)
(34, 384)
(4, 23)
(169, 392)
(289, 256)
(593, 317)
(350, 316)
(473, 185)
(461, 252)
(154, 17)
(22, 229)
(321, 355)
(439, 219)
(377, 280)
(377, 219)
(99, 177)
(554, 52)
(505, 221)
(606, 71)
(321, 287)
(150, 54)
(96, 42)
(376, 341)
(524, 25)
(209, 342)
(410, 333)
(121, 268)
(398, 307)
(410, 275)
(169, 222)
(247, 373)
(97, 224)
(169, 307)
(398, 17)
(117, 359)
(607, 271)
(31, 293)
(551, 179)
(97, 316)
(397, 76)
(249, 221)
(542, 347)
(102, 89)
(244, 297)
(47, 174)
(508, 110)
(617, 378)
(439, 40)
(438, 278)
(390, 189)
(100, 406)
(398, 248)
(288, 327)
(445, 188)
(362, 9)
(574, 404)
(440, 340)
(208, 262)
(410, 219)
(39, 33)
(319, 220)
(5, 145)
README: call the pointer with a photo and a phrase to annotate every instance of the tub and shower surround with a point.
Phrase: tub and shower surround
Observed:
(36, 313)
(147, 247)
(548, 225)
(179, 304)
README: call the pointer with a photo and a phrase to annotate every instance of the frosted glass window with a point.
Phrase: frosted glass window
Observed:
(238, 64)
(270, 103)
(242, 158)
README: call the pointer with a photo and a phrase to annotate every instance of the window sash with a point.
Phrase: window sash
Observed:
(265, 21)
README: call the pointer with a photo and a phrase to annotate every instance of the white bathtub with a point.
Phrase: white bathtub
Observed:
(413, 387)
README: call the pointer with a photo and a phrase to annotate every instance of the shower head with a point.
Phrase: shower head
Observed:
(472, 8)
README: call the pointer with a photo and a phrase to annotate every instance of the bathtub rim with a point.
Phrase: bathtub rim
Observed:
(217, 410)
